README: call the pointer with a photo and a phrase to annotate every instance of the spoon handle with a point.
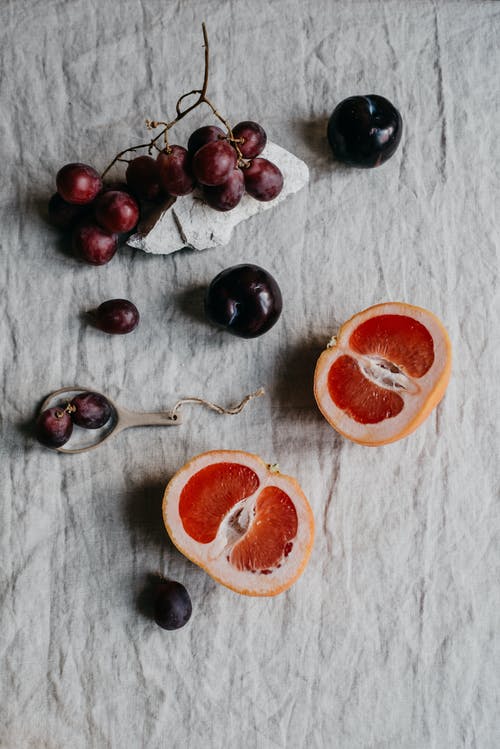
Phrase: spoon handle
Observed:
(147, 419)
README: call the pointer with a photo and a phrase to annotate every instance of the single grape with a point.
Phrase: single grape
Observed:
(245, 300)
(65, 215)
(225, 197)
(54, 427)
(78, 183)
(143, 178)
(117, 316)
(95, 245)
(174, 167)
(213, 163)
(172, 605)
(364, 131)
(91, 410)
(254, 138)
(263, 180)
(204, 135)
(116, 211)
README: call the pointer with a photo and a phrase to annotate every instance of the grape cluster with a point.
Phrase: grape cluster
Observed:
(54, 426)
(97, 214)
(223, 166)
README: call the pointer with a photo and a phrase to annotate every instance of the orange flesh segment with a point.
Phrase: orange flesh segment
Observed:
(361, 399)
(269, 537)
(209, 495)
(398, 339)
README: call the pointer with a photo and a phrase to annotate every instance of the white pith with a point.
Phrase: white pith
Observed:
(213, 556)
(380, 372)
(234, 526)
(414, 391)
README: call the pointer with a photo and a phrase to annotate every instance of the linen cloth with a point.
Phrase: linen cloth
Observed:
(390, 639)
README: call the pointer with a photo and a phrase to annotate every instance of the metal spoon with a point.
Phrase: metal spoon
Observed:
(122, 418)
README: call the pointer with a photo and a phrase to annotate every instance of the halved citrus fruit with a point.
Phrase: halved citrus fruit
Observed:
(385, 371)
(250, 527)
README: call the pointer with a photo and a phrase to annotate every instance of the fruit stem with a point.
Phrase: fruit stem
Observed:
(122, 153)
(207, 53)
(332, 342)
(231, 138)
(180, 113)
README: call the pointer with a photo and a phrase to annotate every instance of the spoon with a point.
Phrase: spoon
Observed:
(122, 418)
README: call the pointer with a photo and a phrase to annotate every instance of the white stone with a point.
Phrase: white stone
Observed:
(190, 222)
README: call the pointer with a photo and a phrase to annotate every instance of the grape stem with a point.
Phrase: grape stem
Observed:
(180, 113)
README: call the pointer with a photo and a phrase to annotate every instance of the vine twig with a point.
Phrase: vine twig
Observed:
(180, 113)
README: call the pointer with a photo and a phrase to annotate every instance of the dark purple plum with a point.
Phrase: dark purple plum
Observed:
(225, 197)
(95, 245)
(65, 215)
(78, 183)
(245, 300)
(254, 138)
(90, 410)
(364, 131)
(54, 427)
(263, 180)
(116, 211)
(213, 163)
(204, 135)
(172, 605)
(174, 167)
(143, 178)
(117, 316)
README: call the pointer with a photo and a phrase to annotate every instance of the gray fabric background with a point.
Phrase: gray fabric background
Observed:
(390, 640)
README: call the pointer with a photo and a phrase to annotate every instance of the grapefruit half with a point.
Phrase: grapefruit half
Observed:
(250, 527)
(385, 371)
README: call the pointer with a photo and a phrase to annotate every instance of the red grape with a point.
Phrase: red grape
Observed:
(225, 197)
(78, 183)
(143, 177)
(254, 138)
(213, 163)
(95, 245)
(116, 211)
(175, 171)
(172, 606)
(91, 410)
(117, 316)
(54, 427)
(263, 180)
(64, 215)
(245, 300)
(204, 135)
